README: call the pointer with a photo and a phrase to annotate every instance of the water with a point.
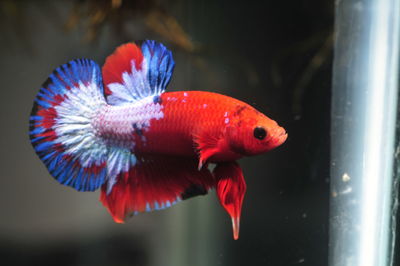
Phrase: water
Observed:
(276, 57)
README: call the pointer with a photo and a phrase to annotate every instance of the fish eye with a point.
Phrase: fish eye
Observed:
(259, 133)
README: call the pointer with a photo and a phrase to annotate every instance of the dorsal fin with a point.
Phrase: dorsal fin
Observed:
(132, 73)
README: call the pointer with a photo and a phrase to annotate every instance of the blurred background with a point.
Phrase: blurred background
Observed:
(274, 55)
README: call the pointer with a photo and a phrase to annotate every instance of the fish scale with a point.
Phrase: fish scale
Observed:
(178, 126)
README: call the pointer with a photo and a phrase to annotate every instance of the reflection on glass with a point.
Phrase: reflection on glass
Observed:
(364, 105)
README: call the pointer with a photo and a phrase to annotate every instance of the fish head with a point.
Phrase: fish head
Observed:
(251, 132)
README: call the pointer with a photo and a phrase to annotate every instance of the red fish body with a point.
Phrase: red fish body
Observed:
(188, 116)
(146, 148)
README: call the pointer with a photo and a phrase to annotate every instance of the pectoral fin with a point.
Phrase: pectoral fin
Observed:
(231, 187)
(207, 146)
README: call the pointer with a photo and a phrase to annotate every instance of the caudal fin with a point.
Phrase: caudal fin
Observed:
(61, 129)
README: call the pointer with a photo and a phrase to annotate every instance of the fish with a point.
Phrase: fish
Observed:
(117, 129)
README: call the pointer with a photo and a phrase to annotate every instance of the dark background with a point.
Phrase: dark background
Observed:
(275, 55)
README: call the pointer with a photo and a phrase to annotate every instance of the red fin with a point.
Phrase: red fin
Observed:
(155, 183)
(231, 188)
(119, 62)
(207, 145)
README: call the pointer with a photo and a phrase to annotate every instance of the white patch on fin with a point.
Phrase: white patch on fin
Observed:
(74, 124)
(135, 87)
(120, 159)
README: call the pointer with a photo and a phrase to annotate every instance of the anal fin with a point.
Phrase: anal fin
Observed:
(154, 183)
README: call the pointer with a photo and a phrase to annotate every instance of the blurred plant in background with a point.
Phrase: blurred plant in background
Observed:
(95, 14)
(320, 48)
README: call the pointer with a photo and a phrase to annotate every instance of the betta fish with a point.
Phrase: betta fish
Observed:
(117, 129)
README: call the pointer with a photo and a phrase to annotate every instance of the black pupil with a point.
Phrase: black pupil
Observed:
(259, 133)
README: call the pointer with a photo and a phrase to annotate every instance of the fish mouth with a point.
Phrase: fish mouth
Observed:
(280, 136)
(283, 138)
